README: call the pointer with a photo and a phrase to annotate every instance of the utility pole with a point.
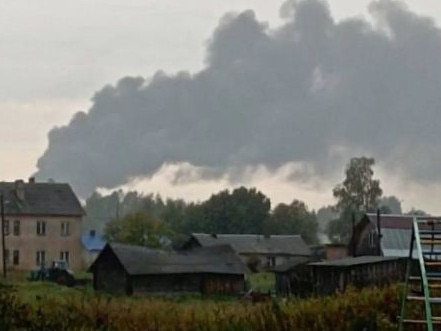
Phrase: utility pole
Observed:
(2, 206)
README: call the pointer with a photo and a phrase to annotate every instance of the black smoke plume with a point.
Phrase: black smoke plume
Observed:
(313, 90)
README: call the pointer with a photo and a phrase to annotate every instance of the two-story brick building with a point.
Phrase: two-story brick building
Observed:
(42, 223)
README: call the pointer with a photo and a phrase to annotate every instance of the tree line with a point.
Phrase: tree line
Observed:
(153, 221)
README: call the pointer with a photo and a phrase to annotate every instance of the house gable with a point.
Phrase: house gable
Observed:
(109, 274)
(393, 239)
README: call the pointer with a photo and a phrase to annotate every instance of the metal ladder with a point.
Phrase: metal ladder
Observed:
(426, 244)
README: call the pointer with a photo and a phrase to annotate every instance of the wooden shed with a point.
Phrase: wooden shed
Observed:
(293, 278)
(126, 269)
(330, 277)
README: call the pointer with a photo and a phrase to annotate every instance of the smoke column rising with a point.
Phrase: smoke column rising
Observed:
(312, 91)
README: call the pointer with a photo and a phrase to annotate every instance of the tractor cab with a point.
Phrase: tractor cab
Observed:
(58, 272)
(61, 264)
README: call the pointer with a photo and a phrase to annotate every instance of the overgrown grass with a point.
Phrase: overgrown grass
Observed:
(45, 306)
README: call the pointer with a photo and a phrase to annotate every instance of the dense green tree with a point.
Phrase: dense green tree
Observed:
(294, 218)
(358, 193)
(173, 213)
(129, 203)
(100, 210)
(152, 204)
(241, 211)
(359, 190)
(139, 229)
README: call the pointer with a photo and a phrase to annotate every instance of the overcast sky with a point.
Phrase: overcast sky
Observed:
(55, 54)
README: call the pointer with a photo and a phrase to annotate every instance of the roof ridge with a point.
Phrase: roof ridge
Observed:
(393, 215)
(247, 234)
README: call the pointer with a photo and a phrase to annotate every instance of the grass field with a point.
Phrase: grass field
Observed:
(46, 306)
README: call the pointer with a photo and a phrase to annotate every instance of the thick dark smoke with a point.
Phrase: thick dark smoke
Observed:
(313, 90)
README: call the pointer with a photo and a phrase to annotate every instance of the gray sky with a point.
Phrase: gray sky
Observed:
(54, 55)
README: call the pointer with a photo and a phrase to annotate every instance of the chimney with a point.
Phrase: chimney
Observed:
(352, 244)
(19, 189)
(92, 233)
(31, 180)
(379, 231)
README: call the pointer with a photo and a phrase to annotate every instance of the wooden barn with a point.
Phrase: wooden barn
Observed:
(293, 278)
(335, 276)
(126, 269)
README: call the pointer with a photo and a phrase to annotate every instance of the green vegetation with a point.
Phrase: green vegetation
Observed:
(138, 229)
(44, 306)
(148, 220)
(294, 218)
(262, 282)
(242, 210)
(358, 193)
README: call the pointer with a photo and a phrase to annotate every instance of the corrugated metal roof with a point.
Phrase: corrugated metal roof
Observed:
(396, 231)
(43, 199)
(256, 244)
(397, 239)
(351, 261)
(145, 261)
(399, 253)
(389, 221)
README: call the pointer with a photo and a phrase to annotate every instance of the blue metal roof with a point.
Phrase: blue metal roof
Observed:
(93, 242)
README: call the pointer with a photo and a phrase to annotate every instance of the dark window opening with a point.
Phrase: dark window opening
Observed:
(16, 228)
(16, 258)
(41, 228)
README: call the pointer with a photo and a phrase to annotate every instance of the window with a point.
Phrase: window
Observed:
(64, 256)
(41, 228)
(65, 229)
(6, 227)
(16, 228)
(41, 258)
(7, 257)
(16, 258)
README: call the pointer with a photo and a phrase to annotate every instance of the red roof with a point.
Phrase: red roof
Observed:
(392, 221)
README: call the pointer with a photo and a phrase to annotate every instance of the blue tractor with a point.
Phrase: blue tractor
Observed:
(58, 272)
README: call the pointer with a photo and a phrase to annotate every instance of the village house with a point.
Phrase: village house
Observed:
(375, 255)
(256, 251)
(135, 270)
(381, 235)
(42, 223)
